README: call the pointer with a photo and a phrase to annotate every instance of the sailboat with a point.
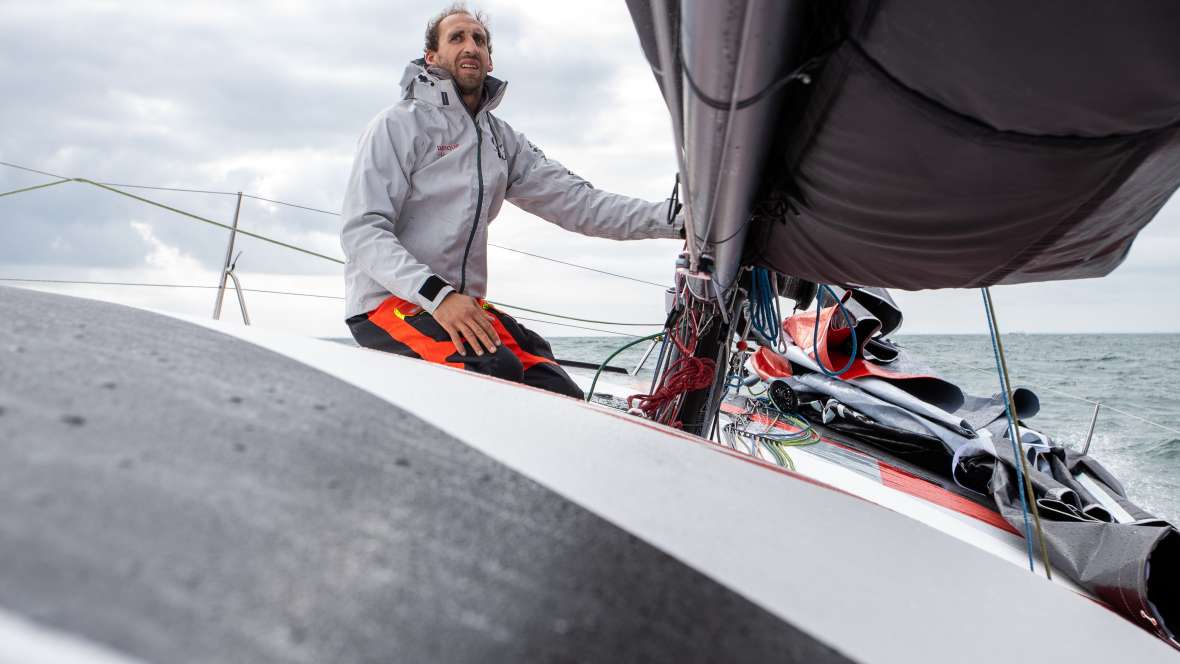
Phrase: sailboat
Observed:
(180, 490)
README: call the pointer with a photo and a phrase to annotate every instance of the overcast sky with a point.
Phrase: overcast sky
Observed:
(269, 98)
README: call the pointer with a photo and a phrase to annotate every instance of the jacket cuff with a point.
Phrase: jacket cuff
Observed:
(432, 292)
(674, 230)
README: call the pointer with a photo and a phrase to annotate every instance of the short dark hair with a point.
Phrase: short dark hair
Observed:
(455, 8)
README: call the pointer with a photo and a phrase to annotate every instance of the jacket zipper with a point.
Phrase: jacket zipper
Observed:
(478, 203)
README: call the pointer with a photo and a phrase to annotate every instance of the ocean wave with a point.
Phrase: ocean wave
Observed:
(1088, 359)
(1168, 450)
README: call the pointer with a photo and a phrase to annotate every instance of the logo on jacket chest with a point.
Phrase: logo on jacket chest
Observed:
(446, 148)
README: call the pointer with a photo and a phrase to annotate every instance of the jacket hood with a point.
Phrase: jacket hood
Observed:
(434, 85)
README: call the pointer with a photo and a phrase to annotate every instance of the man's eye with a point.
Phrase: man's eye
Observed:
(456, 38)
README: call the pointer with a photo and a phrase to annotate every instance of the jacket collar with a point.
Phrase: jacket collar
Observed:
(434, 85)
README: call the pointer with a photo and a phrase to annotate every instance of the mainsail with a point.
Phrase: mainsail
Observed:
(921, 144)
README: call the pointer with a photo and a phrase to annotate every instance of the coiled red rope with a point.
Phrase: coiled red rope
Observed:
(685, 375)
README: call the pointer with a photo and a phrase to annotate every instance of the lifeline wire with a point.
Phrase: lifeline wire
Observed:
(288, 204)
(1026, 490)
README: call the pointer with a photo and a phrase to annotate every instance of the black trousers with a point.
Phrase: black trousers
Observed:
(523, 356)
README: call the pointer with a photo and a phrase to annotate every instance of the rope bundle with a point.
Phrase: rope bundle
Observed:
(685, 375)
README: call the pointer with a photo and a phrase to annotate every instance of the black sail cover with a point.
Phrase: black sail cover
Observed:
(963, 144)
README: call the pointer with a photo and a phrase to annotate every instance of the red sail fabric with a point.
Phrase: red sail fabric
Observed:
(834, 346)
(770, 365)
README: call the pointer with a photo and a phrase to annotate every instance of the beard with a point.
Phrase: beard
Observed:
(468, 81)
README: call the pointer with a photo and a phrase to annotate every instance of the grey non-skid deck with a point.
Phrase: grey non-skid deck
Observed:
(183, 496)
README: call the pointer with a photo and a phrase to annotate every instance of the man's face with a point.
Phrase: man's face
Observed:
(463, 51)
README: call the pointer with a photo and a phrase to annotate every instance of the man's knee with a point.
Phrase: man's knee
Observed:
(552, 378)
(501, 364)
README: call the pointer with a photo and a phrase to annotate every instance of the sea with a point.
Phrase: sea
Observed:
(1135, 378)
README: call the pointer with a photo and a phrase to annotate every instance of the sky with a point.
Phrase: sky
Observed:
(269, 98)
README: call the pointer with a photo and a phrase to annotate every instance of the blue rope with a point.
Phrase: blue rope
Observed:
(819, 307)
(991, 327)
(764, 312)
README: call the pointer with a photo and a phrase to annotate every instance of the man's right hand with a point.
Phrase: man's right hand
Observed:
(463, 319)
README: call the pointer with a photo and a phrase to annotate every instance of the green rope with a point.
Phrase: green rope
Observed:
(40, 186)
(210, 221)
(605, 362)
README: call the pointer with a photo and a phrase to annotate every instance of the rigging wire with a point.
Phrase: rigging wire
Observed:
(1027, 496)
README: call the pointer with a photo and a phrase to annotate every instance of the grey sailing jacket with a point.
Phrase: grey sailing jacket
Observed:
(427, 180)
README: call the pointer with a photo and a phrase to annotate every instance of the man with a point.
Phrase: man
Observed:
(430, 174)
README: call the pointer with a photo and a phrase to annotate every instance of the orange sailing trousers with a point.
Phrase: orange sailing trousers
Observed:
(399, 326)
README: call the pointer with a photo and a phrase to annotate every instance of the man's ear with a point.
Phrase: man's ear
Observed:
(431, 57)
(489, 62)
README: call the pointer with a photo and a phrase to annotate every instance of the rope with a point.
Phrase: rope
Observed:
(687, 374)
(39, 186)
(765, 317)
(815, 334)
(605, 362)
(1026, 489)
